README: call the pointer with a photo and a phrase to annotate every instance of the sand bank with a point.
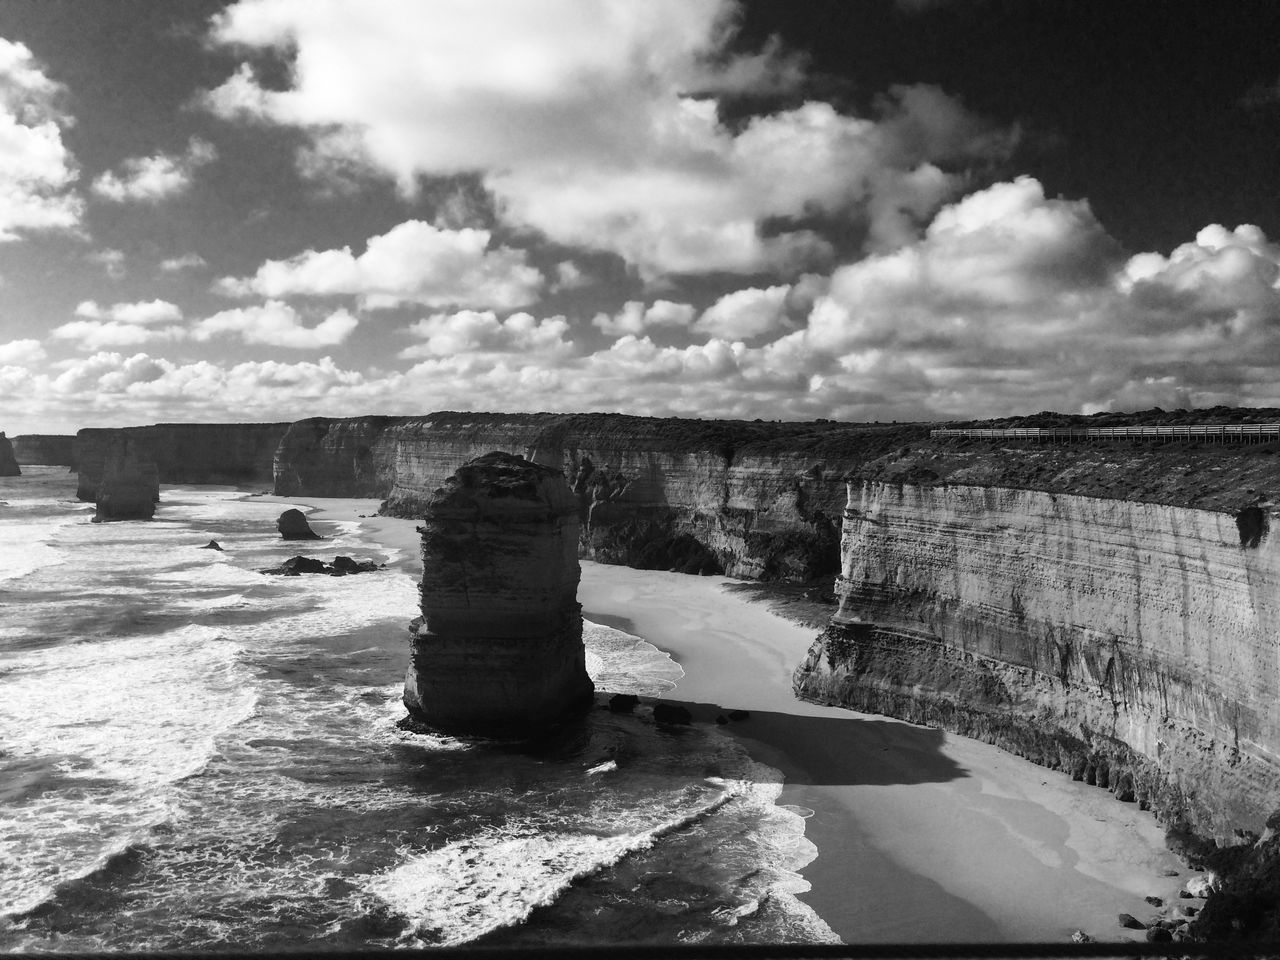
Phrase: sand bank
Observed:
(921, 836)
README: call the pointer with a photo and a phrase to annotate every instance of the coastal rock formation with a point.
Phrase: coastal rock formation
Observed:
(8, 464)
(293, 525)
(1134, 645)
(759, 500)
(231, 453)
(130, 485)
(341, 567)
(46, 449)
(498, 649)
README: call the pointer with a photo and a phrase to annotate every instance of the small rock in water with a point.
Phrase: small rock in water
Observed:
(671, 713)
(1154, 901)
(347, 565)
(1132, 922)
(212, 545)
(1081, 937)
(1159, 935)
(1169, 873)
(623, 702)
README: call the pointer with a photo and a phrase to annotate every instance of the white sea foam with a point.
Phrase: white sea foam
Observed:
(619, 662)
(121, 719)
(25, 545)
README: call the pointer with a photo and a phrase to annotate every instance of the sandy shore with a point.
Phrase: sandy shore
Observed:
(921, 836)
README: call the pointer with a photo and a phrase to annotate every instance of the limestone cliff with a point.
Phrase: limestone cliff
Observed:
(8, 464)
(758, 499)
(46, 449)
(1135, 645)
(130, 484)
(230, 453)
(498, 649)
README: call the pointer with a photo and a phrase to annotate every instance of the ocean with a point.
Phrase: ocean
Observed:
(195, 755)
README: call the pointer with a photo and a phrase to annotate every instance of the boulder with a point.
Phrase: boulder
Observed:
(1132, 922)
(623, 702)
(498, 648)
(293, 525)
(212, 545)
(345, 565)
(1159, 935)
(341, 567)
(8, 463)
(671, 713)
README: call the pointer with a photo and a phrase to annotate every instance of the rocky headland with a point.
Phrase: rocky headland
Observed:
(230, 453)
(130, 485)
(8, 463)
(498, 648)
(46, 449)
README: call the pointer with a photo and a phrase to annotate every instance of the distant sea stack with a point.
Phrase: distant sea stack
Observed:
(45, 448)
(130, 485)
(8, 465)
(498, 649)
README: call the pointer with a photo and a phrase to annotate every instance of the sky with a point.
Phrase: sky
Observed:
(264, 210)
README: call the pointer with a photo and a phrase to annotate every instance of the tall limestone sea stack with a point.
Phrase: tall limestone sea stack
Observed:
(498, 649)
(130, 486)
(8, 465)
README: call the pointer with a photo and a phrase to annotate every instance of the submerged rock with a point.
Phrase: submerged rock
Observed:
(498, 649)
(341, 567)
(8, 463)
(293, 525)
(212, 545)
(130, 485)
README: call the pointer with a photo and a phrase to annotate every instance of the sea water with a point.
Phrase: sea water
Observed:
(198, 755)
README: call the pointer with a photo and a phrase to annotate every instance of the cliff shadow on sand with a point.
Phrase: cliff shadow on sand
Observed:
(840, 751)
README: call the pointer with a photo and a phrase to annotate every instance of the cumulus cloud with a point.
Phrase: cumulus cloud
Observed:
(151, 179)
(414, 262)
(277, 324)
(744, 314)
(111, 260)
(472, 332)
(21, 352)
(148, 311)
(37, 172)
(635, 318)
(121, 324)
(581, 123)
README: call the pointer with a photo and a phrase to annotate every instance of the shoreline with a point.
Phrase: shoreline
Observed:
(921, 836)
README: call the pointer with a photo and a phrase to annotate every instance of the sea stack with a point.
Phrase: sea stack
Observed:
(130, 486)
(8, 465)
(498, 649)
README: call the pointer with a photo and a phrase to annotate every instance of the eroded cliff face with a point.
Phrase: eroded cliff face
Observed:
(498, 648)
(8, 463)
(1135, 645)
(230, 453)
(46, 449)
(759, 500)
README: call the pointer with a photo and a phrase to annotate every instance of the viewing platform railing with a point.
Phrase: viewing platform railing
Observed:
(1212, 433)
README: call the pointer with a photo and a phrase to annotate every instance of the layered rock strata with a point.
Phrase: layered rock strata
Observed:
(759, 500)
(1135, 645)
(130, 485)
(230, 453)
(45, 449)
(498, 648)
(8, 463)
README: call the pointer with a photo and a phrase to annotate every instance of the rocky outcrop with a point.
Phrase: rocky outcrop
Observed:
(498, 648)
(8, 465)
(758, 499)
(1134, 645)
(340, 567)
(130, 485)
(45, 449)
(225, 453)
(293, 525)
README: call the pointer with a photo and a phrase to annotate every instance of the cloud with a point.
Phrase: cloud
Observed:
(101, 334)
(744, 314)
(151, 179)
(150, 311)
(581, 123)
(37, 172)
(111, 260)
(473, 332)
(414, 262)
(277, 324)
(21, 352)
(634, 318)
(188, 261)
